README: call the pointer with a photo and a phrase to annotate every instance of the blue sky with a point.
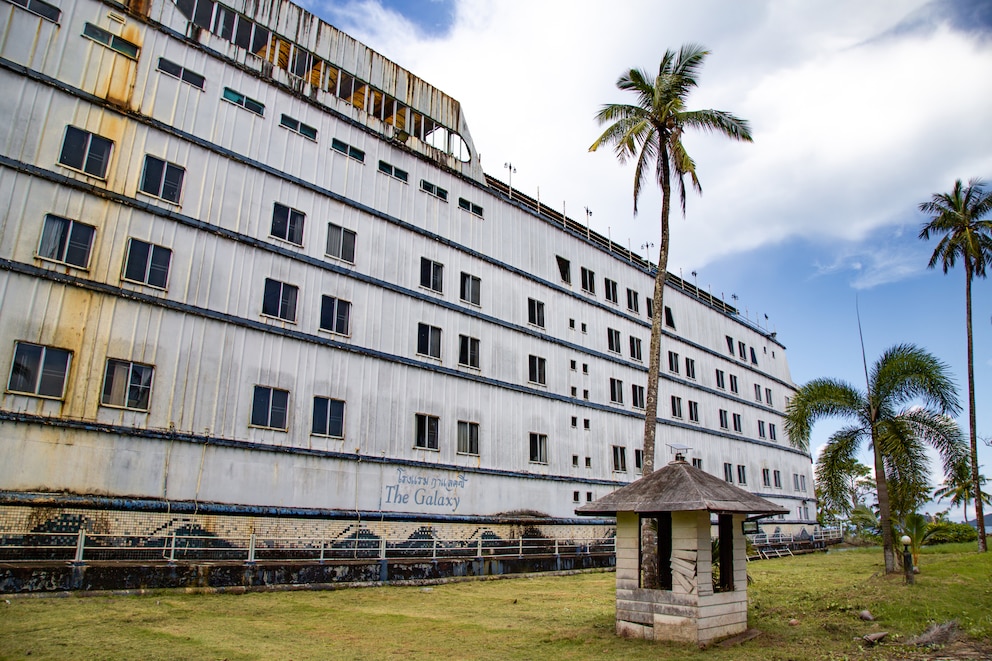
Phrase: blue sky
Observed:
(859, 111)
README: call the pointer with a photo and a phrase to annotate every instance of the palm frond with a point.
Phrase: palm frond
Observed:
(833, 465)
(817, 399)
(905, 373)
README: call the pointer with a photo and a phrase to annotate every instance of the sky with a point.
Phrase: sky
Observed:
(859, 111)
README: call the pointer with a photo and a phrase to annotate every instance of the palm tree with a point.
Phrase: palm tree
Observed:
(885, 416)
(957, 218)
(650, 131)
(957, 487)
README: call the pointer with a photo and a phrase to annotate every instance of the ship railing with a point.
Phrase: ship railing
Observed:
(83, 546)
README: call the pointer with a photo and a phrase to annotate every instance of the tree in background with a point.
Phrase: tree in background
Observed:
(883, 416)
(650, 132)
(849, 484)
(957, 487)
(957, 218)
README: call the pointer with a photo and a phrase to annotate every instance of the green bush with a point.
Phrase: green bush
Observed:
(946, 532)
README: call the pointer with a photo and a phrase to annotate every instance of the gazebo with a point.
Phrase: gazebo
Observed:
(697, 598)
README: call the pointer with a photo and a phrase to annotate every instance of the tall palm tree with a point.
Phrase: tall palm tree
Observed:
(957, 217)
(906, 406)
(957, 487)
(650, 131)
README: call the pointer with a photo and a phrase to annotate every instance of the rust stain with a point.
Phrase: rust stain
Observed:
(140, 7)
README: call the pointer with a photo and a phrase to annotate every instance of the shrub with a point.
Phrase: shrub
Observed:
(946, 532)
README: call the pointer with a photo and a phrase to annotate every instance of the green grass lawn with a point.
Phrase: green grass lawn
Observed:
(568, 617)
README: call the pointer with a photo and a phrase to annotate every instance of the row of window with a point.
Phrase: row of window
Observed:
(258, 40)
(769, 478)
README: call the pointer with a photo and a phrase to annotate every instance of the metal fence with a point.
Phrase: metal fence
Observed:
(85, 546)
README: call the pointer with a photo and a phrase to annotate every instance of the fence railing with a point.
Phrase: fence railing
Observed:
(85, 546)
(818, 537)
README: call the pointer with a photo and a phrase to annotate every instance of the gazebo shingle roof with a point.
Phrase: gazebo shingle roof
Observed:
(679, 487)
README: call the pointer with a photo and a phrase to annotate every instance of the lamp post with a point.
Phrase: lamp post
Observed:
(907, 559)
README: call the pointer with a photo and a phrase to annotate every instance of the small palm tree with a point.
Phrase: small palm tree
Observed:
(957, 488)
(883, 416)
(957, 218)
(650, 131)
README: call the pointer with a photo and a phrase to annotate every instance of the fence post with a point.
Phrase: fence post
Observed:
(382, 548)
(478, 547)
(251, 548)
(80, 545)
(556, 546)
(520, 547)
(323, 543)
(434, 549)
(172, 547)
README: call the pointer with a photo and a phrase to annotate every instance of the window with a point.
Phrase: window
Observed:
(613, 340)
(393, 171)
(778, 479)
(720, 383)
(538, 448)
(724, 419)
(127, 385)
(468, 437)
(619, 459)
(757, 392)
(586, 423)
(565, 269)
(693, 411)
(111, 41)
(633, 304)
(86, 152)
(795, 481)
(754, 358)
(585, 368)
(637, 396)
(588, 462)
(638, 460)
(571, 324)
(635, 348)
(611, 290)
(471, 289)
(43, 9)
(669, 318)
(697, 463)
(296, 126)
(39, 370)
(328, 417)
(279, 300)
(738, 427)
(341, 243)
(673, 362)
(733, 384)
(348, 150)
(766, 477)
(147, 264)
(431, 274)
(761, 428)
(287, 224)
(436, 191)
(768, 396)
(650, 306)
(741, 474)
(802, 483)
(583, 327)
(585, 394)
(239, 99)
(572, 365)
(335, 315)
(690, 368)
(536, 370)
(471, 207)
(426, 432)
(429, 340)
(182, 73)
(742, 350)
(728, 472)
(730, 345)
(575, 425)
(66, 241)
(616, 391)
(588, 280)
(676, 407)
(161, 179)
(535, 312)
(771, 431)
(575, 494)
(269, 408)
(468, 351)
(588, 496)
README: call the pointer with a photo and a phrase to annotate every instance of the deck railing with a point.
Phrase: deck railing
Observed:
(86, 546)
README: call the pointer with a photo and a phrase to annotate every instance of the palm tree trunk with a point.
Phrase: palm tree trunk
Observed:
(972, 426)
(649, 539)
(884, 508)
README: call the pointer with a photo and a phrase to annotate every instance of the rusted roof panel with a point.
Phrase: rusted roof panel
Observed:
(680, 487)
